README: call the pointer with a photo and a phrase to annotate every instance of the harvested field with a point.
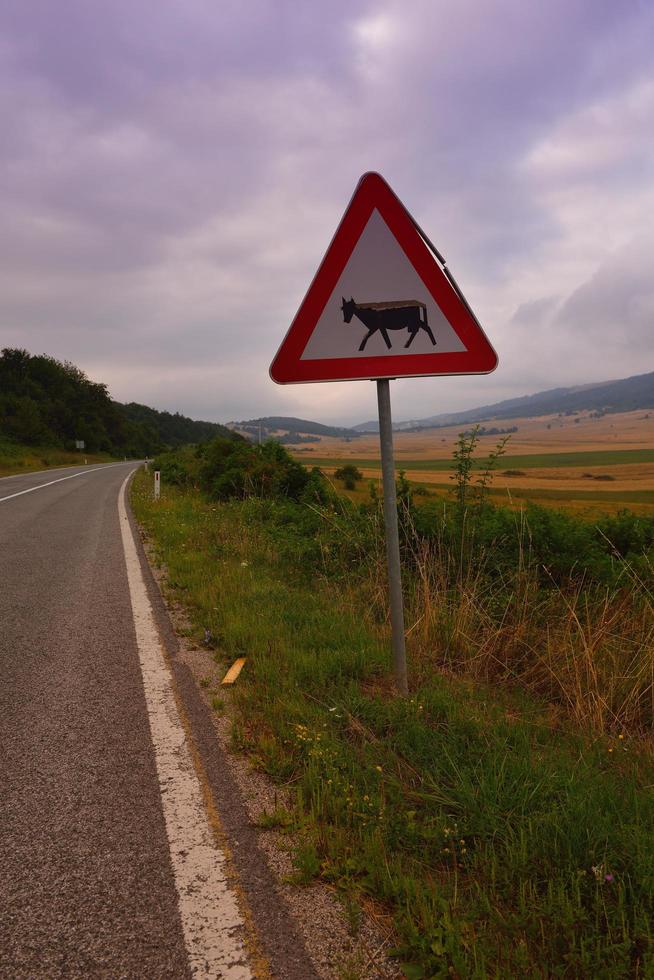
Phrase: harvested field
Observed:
(600, 464)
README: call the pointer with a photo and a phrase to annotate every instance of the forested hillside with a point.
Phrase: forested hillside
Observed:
(172, 429)
(290, 430)
(44, 402)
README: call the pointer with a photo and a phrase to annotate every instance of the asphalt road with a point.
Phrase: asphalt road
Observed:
(110, 864)
(86, 884)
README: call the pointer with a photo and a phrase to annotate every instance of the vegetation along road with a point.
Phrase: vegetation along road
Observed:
(109, 864)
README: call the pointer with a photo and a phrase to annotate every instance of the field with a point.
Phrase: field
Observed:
(576, 462)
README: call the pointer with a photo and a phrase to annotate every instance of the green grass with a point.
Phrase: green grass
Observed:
(603, 457)
(15, 458)
(503, 841)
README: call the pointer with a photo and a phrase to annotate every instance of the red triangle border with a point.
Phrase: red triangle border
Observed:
(479, 357)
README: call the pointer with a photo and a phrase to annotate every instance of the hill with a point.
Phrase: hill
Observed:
(623, 395)
(290, 430)
(171, 428)
(44, 402)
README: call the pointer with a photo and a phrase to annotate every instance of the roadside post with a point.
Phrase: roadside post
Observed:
(381, 274)
(157, 484)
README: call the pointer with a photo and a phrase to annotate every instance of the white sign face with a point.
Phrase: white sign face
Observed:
(377, 273)
(79, 444)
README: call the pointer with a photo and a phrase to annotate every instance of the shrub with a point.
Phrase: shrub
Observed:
(233, 469)
(349, 474)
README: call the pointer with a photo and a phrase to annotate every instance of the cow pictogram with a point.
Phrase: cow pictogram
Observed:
(409, 314)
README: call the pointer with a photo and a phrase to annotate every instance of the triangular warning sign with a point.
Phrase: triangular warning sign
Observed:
(381, 305)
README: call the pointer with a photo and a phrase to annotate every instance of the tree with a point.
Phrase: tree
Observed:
(349, 474)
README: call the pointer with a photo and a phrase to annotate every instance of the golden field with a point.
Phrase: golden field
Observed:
(587, 463)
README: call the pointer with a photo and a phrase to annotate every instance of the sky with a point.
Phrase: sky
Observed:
(173, 172)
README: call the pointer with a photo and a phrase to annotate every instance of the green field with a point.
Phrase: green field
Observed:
(602, 457)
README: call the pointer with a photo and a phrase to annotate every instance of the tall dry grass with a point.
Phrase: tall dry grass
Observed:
(586, 648)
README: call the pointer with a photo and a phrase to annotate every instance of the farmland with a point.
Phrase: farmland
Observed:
(579, 462)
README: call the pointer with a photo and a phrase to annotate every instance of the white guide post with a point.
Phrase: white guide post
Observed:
(157, 484)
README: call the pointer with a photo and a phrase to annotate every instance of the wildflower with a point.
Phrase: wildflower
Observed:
(608, 878)
(244, 564)
(378, 768)
(621, 737)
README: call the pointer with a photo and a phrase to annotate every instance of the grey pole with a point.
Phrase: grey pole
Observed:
(392, 534)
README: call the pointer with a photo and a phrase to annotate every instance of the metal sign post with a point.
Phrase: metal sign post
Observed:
(392, 535)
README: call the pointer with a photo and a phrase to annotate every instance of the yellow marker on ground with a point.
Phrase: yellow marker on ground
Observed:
(234, 671)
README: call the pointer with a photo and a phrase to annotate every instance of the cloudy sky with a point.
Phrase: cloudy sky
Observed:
(173, 170)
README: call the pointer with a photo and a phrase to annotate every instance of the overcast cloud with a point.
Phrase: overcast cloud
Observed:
(173, 172)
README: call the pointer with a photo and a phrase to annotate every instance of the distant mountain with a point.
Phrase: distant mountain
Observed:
(290, 430)
(624, 395)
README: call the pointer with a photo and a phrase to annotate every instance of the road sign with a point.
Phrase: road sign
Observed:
(382, 304)
(80, 444)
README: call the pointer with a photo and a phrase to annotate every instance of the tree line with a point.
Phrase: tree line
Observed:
(46, 402)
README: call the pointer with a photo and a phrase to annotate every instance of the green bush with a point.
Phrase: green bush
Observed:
(557, 547)
(349, 474)
(229, 469)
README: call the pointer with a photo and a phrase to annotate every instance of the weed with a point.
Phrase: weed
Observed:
(278, 819)
(353, 912)
(306, 862)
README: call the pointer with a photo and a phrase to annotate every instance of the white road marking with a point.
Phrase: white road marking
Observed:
(211, 920)
(61, 479)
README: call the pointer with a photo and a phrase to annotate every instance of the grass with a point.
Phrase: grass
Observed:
(600, 457)
(506, 833)
(15, 458)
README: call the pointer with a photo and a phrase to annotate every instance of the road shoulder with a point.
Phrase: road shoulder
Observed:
(303, 931)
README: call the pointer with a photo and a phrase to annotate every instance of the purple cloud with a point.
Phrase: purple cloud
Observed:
(173, 174)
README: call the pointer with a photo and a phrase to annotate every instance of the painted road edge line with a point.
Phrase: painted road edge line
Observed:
(61, 479)
(211, 921)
